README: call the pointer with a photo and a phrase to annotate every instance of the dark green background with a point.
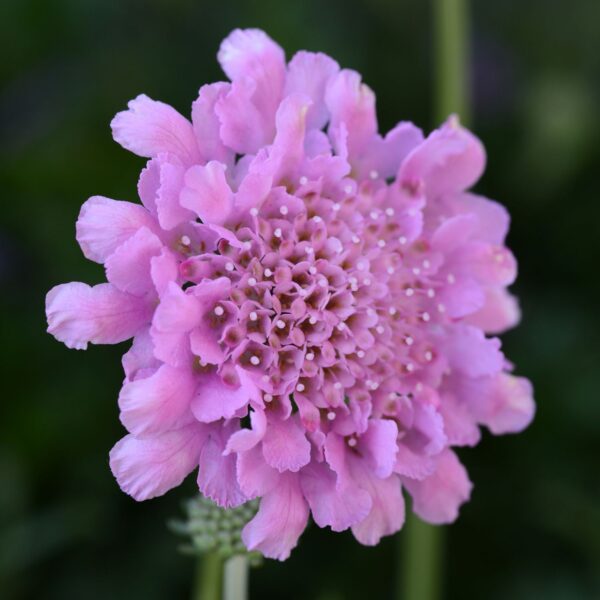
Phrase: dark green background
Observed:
(532, 529)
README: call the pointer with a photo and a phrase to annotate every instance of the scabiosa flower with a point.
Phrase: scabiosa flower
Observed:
(308, 301)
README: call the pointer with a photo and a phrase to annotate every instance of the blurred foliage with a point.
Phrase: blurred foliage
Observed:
(532, 529)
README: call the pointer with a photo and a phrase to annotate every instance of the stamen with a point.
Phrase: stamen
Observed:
(336, 206)
(381, 243)
(280, 324)
(389, 212)
(337, 385)
(391, 270)
(312, 270)
(310, 356)
(303, 180)
(277, 233)
(428, 356)
(425, 316)
(352, 442)
(255, 360)
(373, 174)
(392, 310)
(254, 211)
(252, 281)
(268, 397)
(330, 415)
(430, 293)
(229, 266)
(253, 316)
(348, 189)
(441, 308)
(185, 240)
(360, 353)
(219, 311)
(450, 278)
(374, 215)
(409, 292)
(402, 240)
(380, 329)
(268, 272)
(284, 210)
(355, 239)
(300, 387)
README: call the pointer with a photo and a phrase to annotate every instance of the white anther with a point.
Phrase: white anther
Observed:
(300, 387)
(185, 240)
(380, 329)
(253, 316)
(371, 312)
(361, 265)
(355, 239)
(428, 356)
(425, 316)
(410, 367)
(352, 280)
(441, 308)
(366, 281)
(309, 249)
(268, 397)
(341, 326)
(277, 233)
(219, 311)
(374, 215)
(389, 212)
(352, 442)
(254, 211)
(268, 272)
(317, 219)
(323, 283)
(303, 180)
(373, 174)
(336, 206)
(409, 292)
(337, 385)
(252, 281)
(280, 324)
(408, 340)
(330, 415)
(416, 271)
(391, 270)
(402, 240)
(312, 270)
(381, 243)
(312, 320)
(419, 387)
(360, 353)
(450, 278)
(426, 264)
(392, 311)
(284, 210)
(348, 189)
(310, 356)
(229, 266)
(255, 360)
(247, 245)
(430, 293)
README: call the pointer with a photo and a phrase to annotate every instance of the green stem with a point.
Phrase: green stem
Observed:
(422, 560)
(451, 34)
(236, 578)
(209, 576)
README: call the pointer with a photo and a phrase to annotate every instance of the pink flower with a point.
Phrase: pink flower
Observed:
(308, 301)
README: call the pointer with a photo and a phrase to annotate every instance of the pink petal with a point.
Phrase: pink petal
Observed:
(331, 504)
(157, 403)
(254, 475)
(352, 103)
(379, 444)
(207, 193)
(149, 467)
(128, 267)
(206, 123)
(216, 400)
(104, 224)
(500, 312)
(140, 356)
(413, 465)
(387, 510)
(281, 519)
(471, 353)
(493, 219)
(251, 56)
(309, 73)
(148, 183)
(149, 127)
(170, 212)
(217, 478)
(164, 269)
(437, 498)
(78, 314)
(450, 160)
(285, 446)
(245, 439)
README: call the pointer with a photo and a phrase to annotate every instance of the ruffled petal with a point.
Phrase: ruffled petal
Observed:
(78, 314)
(149, 467)
(437, 498)
(150, 127)
(471, 353)
(379, 443)
(207, 193)
(309, 73)
(104, 224)
(281, 518)
(217, 473)
(128, 267)
(285, 446)
(214, 399)
(158, 403)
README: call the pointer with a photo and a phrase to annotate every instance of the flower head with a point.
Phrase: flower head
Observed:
(308, 301)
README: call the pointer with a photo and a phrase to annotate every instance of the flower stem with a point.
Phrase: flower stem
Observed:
(209, 575)
(421, 552)
(451, 34)
(236, 578)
